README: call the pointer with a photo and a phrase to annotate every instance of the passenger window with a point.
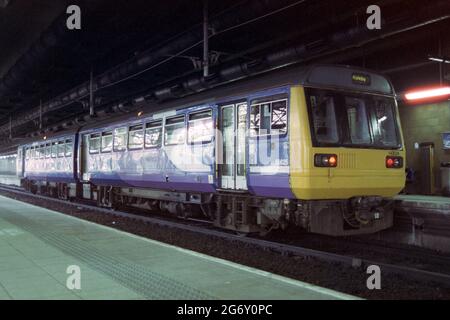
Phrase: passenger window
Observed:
(120, 139)
(41, 151)
(61, 149)
(153, 134)
(107, 141)
(254, 120)
(48, 150)
(94, 143)
(175, 131)
(32, 153)
(54, 150)
(69, 148)
(136, 137)
(200, 127)
(279, 117)
(264, 127)
(268, 118)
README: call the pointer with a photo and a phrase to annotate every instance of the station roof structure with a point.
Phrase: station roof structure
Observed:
(137, 50)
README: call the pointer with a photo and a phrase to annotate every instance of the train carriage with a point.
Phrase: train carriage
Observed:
(49, 165)
(319, 147)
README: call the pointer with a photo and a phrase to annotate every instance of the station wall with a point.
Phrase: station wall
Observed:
(425, 123)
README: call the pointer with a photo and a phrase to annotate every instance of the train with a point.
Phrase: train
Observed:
(318, 148)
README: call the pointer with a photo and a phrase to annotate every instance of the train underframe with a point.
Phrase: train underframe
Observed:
(237, 211)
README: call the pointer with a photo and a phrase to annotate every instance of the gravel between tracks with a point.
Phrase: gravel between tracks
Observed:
(329, 275)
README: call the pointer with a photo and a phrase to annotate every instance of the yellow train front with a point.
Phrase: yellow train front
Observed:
(346, 151)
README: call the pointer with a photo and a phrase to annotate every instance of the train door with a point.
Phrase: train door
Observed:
(232, 150)
(83, 156)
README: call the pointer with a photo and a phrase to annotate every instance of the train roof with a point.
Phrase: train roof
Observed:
(320, 75)
(50, 137)
(330, 76)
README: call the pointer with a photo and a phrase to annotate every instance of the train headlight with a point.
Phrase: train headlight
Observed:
(325, 160)
(394, 162)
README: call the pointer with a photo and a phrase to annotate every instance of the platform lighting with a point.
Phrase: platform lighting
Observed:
(140, 113)
(439, 59)
(45, 137)
(428, 93)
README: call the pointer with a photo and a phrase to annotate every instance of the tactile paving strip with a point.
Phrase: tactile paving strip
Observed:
(136, 277)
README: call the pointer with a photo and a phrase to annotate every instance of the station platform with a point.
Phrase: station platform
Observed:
(422, 203)
(37, 246)
(423, 221)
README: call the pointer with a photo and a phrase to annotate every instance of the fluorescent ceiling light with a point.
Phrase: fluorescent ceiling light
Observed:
(439, 59)
(430, 93)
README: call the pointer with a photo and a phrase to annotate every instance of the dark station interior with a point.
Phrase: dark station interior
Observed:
(72, 72)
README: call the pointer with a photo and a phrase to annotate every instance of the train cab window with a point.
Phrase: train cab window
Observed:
(268, 118)
(153, 134)
(324, 120)
(120, 139)
(48, 150)
(200, 127)
(136, 137)
(383, 123)
(175, 131)
(107, 141)
(69, 148)
(61, 149)
(54, 150)
(94, 143)
(358, 123)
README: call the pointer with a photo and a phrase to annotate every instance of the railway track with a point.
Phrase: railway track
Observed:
(205, 228)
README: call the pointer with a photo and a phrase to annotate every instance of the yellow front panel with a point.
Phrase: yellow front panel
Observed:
(360, 172)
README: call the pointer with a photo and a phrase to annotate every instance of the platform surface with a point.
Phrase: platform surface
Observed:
(430, 203)
(37, 246)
